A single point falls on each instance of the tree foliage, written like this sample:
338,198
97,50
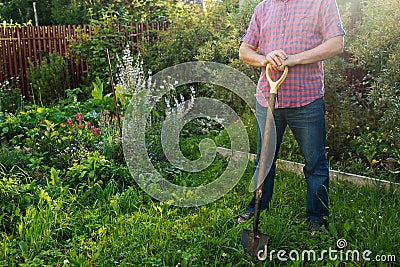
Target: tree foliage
69,12
21,11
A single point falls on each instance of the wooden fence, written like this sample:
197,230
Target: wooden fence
18,45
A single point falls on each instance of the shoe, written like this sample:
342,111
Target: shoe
242,218
317,227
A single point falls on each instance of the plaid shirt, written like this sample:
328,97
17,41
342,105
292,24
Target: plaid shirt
293,26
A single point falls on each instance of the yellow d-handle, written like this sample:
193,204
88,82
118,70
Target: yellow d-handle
275,85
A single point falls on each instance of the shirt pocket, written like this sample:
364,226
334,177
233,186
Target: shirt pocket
304,31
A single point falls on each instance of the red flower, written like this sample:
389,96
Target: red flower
89,125
96,131
69,121
80,125
79,116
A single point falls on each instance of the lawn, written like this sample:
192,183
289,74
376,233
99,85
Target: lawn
56,224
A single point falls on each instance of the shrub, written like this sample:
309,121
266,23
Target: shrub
92,48
202,35
93,169
49,78
375,44
343,99
10,97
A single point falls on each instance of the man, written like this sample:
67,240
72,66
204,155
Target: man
299,34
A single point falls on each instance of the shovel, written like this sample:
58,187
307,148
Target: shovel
253,241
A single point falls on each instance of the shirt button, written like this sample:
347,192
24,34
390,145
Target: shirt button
284,19
282,34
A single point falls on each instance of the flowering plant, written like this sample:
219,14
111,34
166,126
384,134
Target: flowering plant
80,123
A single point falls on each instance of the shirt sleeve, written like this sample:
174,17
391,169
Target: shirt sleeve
331,24
252,35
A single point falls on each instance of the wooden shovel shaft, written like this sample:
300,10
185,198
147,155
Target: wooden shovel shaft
267,130
265,140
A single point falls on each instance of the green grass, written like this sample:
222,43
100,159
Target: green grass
108,226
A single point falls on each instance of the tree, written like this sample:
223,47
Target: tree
21,11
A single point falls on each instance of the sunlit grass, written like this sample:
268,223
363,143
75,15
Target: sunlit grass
114,227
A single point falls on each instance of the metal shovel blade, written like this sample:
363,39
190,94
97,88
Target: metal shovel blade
254,243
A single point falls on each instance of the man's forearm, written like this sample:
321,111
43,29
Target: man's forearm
250,56
327,49
279,58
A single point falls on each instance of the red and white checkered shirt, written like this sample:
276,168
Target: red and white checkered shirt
293,26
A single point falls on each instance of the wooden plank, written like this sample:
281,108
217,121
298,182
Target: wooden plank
34,42
60,38
137,33
39,43
15,48
9,56
147,32
21,56
73,70
26,45
29,42
54,34
3,55
47,33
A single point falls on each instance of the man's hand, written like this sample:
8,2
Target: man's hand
250,55
277,59
290,61
329,48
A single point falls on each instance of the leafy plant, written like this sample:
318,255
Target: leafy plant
10,97
110,136
104,102
49,78
104,35
88,169
377,155
374,42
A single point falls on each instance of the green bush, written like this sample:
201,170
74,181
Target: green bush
111,30
93,169
376,48
343,100
92,48
49,79
10,97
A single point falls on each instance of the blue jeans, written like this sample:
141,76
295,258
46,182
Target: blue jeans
308,126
